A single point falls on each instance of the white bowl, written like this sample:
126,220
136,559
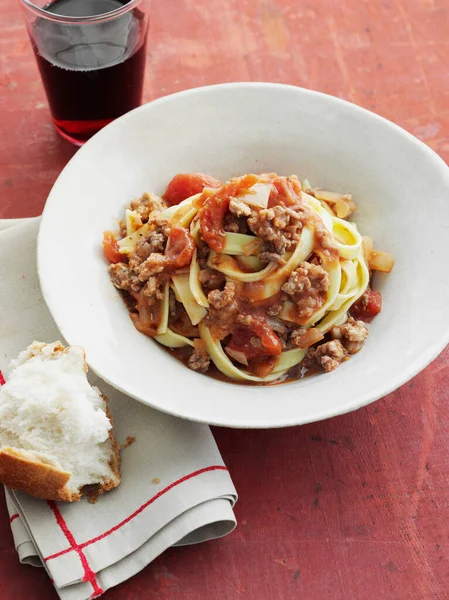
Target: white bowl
399,184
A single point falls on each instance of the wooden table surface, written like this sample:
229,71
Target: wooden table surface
356,507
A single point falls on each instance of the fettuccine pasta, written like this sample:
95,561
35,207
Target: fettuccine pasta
260,278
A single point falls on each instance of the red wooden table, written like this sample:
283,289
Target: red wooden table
356,507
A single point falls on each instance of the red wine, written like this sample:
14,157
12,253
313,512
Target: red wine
92,72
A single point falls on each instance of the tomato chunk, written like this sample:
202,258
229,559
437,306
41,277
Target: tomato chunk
180,247
270,341
270,344
110,248
367,306
214,207
286,190
184,185
211,222
262,366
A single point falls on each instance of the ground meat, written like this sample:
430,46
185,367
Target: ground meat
122,227
153,265
219,299
255,342
284,216
155,243
266,257
211,279
329,355
143,251
274,309
199,362
172,303
296,336
352,334
324,238
354,331
160,223
134,262
352,347
147,204
182,324
305,277
153,290
284,338
123,277
280,225
120,276
231,224
223,312
235,224
239,208
244,319
307,287
202,252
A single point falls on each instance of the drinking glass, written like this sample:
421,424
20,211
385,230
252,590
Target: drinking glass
91,57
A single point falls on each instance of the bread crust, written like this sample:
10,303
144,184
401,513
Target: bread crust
34,477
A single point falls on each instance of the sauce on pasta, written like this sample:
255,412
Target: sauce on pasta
256,280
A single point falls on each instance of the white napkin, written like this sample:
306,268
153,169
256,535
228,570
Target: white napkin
175,487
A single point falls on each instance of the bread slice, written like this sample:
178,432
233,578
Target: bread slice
56,433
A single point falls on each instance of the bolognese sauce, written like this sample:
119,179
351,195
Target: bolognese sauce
259,279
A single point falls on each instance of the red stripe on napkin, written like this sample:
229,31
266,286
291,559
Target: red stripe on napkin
2,379
14,517
138,511
89,575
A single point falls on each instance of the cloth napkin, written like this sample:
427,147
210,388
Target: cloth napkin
175,487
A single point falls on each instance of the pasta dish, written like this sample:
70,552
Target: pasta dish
259,279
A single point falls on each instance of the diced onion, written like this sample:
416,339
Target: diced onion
257,195
276,324
381,261
331,197
310,337
289,313
352,206
146,314
237,355
306,185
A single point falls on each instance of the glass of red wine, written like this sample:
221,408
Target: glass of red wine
91,57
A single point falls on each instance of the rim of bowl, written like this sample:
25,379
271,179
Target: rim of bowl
419,364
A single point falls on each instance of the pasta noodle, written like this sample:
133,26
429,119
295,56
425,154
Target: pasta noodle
269,276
